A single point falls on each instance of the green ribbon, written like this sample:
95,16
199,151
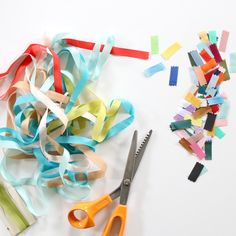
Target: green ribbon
11,211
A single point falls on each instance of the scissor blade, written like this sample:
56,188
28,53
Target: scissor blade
140,152
129,168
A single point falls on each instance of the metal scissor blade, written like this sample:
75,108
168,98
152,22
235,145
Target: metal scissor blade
129,170
140,152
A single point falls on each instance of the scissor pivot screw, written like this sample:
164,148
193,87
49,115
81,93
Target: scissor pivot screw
127,182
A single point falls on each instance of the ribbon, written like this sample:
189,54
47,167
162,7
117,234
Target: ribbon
54,118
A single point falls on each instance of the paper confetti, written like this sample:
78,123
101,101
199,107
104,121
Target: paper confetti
174,70
223,41
154,69
154,44
197,127
171,50
196,172
232,63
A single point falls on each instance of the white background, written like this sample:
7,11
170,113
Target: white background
162,201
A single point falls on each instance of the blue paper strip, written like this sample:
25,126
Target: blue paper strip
196,57
215,100
154,69
173,75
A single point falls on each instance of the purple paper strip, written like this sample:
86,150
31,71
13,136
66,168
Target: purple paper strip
190,108
178,117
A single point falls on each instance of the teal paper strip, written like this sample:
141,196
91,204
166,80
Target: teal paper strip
219,132
183,124
208,150
213,36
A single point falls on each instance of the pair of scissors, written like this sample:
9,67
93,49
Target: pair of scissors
90,209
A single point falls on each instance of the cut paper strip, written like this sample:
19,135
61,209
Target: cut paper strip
221,122
204,171
226,73
200,76
205,55
215,100
223,41
202,46
154,69
219,132
208,150
178,117
185,144
197,150
193,100
154,44
190,108
204,36
182,134
232,62
210,121
173,75
196,171
212,36
192,62
215,52
196,58
183,124
211,64
196,122
170,51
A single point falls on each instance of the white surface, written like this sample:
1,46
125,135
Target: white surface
162,201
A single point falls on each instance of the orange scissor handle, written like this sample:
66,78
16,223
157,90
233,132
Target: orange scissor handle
120,214
89,209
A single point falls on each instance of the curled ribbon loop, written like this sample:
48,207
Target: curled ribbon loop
49,118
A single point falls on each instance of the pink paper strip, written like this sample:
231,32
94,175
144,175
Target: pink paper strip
221,122
223,40
201,142
182,134
197,150
200,75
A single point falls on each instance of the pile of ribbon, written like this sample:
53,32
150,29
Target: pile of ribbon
204,109
54,117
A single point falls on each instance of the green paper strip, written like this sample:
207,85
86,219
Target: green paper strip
11,211
219,132
212,36
192,62
183,124
226,74
154,44
208,150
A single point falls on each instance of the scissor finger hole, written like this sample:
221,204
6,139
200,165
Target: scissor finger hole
115,228
80,215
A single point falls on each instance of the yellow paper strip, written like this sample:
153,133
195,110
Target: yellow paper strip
203,36
196,122
193,100
171,50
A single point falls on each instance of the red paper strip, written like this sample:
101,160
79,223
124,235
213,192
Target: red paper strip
115,50
215,52
205,56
